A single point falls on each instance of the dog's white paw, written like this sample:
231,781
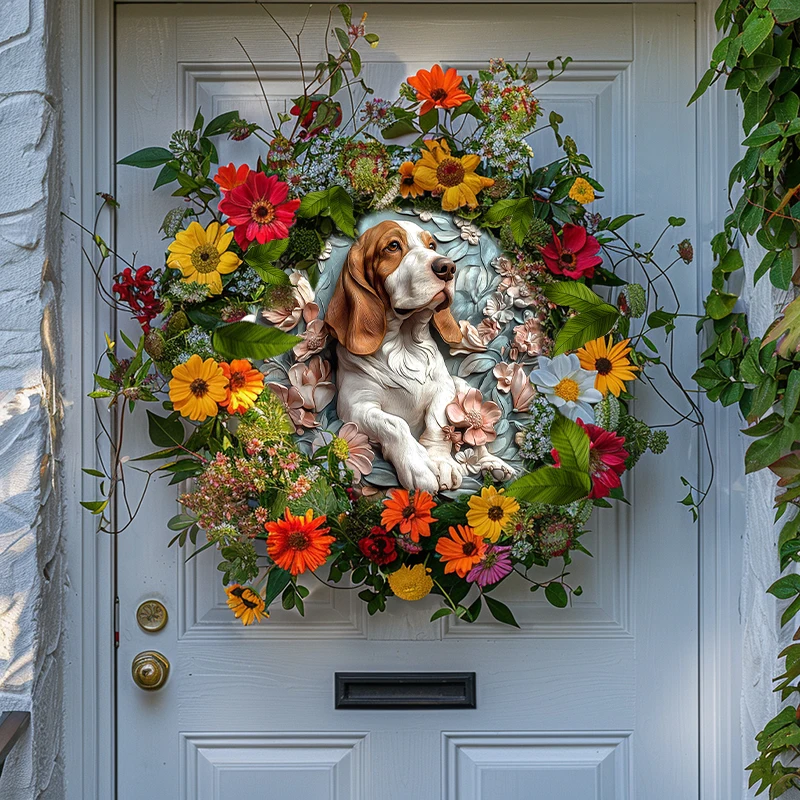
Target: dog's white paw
449,471
413,466
496,467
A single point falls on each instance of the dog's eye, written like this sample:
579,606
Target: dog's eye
432,246
393,246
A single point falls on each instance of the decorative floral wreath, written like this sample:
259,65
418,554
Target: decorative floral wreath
233,331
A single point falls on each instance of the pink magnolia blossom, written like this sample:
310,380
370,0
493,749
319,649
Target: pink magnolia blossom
522,390
312,382
476,417
471,340
288,318
315,336
295,406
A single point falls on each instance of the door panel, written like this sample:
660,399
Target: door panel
595,701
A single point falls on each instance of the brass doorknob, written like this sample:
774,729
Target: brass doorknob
150,670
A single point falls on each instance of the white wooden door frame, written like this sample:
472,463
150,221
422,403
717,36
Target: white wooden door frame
88,77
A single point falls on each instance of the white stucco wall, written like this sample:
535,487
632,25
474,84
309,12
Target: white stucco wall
31,553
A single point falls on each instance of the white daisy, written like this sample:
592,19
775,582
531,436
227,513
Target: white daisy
567,386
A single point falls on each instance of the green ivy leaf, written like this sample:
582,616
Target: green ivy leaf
249,340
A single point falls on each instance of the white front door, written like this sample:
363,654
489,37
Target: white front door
594,702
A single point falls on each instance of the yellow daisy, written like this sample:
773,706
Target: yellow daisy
197,387
582,191
246,604
611,363
491,512
411,583
452,177
202,255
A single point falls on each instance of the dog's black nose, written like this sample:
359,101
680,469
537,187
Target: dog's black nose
444,268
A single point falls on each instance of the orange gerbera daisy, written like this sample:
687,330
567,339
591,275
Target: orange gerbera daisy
413,515
245,384
297,544
230,177
408,181
611,362
438,89
461,551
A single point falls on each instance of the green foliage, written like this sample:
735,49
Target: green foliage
252,341
759,57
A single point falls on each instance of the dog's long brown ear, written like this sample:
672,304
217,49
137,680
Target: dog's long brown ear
447,326
356,313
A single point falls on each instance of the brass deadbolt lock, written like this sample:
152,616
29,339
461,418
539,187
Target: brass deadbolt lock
151,616
150,670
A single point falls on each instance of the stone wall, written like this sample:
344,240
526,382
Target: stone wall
31,553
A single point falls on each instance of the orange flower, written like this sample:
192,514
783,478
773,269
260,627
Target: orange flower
438,89
408,181
461,551
297,544
245,384
230,177
412,515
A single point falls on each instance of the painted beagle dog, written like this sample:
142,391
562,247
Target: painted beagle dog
392,379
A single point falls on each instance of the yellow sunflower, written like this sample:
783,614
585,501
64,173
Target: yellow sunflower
582,191
611,362
411,583
246,604
452,177
491,512
202,255
197,387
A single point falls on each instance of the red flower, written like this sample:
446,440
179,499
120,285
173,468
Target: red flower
137,292
230,177
307,121
574,255
606,459
259,210
379,547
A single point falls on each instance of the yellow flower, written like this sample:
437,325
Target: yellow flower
408,181
491,512
611,362
202,256
582,191
246,604
411,583
451,177
197,387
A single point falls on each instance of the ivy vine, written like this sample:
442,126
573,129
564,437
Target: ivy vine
759,58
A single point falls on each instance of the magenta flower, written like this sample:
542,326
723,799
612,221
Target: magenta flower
493,567
475,417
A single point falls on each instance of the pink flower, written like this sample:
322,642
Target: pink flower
522,390
493,567
488,329
287,318
315,336
471,340
607,457
311,381
359,450
452,435
518,291
295,406
475,417
258,209
529,337
574,255
504,373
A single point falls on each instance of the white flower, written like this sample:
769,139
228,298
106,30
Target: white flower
327,250
518,290
469,460
567,386
499,308
469,232
505,266
424,214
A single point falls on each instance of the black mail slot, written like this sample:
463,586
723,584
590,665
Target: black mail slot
401,690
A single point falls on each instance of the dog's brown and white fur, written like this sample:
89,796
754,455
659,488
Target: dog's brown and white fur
392,380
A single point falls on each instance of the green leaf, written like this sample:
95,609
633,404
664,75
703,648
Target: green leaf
572,295
265,255
165,431
618,222
277,581
249,340
500,611
785,331
500,211
274,276
341,210
521,219
400,128
221,124
757,27
785,10
147,158
167,175
785,587
585,327
95,506
554,485
572,443
95,473
705,82
556,595
313,204
660,318
780,273
720,304
763,135
441,612
428,121
346,12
